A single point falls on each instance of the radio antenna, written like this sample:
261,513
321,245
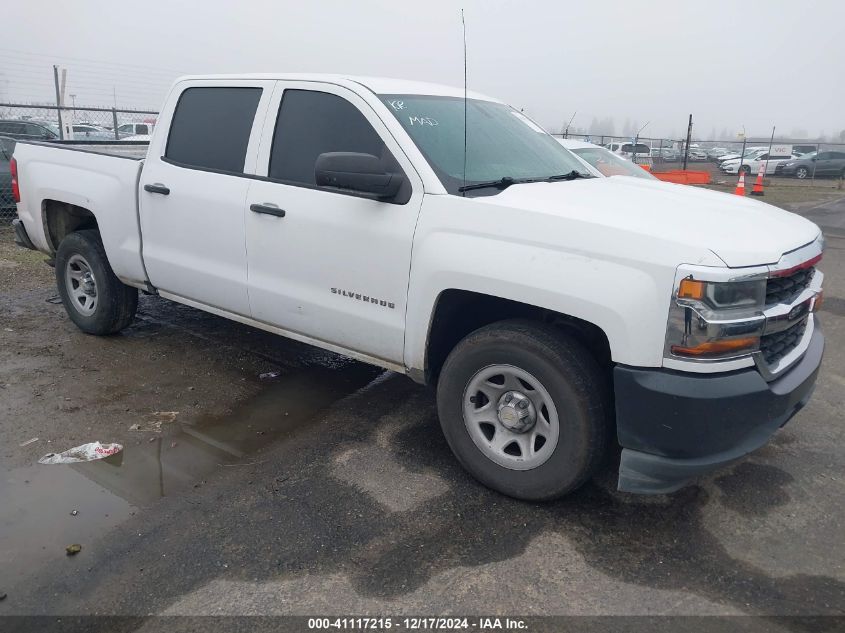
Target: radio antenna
464,27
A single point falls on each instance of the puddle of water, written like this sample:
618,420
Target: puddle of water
35,513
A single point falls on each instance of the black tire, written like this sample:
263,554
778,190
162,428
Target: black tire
801,173
570,375
115,301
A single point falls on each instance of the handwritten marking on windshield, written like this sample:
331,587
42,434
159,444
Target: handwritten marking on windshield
423,120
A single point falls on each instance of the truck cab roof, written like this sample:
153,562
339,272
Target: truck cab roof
377,85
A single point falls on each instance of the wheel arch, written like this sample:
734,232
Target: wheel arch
459,312
61,218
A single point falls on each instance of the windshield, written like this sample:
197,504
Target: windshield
609,164
500,142
808,155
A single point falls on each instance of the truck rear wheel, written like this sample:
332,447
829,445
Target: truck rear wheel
525,409
94,298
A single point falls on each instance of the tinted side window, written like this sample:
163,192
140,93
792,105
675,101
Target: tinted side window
211,127
142,129
837,155
824,156
312,123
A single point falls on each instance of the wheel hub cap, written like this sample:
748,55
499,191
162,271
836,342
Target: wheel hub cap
516,412
88,285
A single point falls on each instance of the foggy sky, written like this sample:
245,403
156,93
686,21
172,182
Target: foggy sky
730,64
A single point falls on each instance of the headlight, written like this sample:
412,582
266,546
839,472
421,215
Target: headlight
716,320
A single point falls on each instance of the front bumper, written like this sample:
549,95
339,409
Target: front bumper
675,426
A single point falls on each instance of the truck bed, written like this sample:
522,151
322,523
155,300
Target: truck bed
135,150
99,178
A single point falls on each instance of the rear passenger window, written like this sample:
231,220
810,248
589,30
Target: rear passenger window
312,123
211,127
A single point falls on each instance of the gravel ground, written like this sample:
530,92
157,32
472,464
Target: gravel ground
328,488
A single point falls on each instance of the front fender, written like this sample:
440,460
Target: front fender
618,282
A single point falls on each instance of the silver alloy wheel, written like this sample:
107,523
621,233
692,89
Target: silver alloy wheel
81,285
801,172
511,417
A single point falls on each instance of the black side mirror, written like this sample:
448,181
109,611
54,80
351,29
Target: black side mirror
361,173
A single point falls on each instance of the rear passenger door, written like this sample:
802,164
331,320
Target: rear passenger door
193,188
335,267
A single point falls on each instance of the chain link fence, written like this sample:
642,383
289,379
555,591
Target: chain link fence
670,152
67,125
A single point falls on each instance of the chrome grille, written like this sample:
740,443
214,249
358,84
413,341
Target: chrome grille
777,345
782,289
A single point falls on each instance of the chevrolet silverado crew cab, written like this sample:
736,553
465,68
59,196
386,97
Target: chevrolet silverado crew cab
557,313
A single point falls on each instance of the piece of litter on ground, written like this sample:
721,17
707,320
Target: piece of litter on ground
135,427
8,329
28,442
73,513
270,374
73,549
85,453
54,300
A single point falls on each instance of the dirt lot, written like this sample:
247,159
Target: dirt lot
329,489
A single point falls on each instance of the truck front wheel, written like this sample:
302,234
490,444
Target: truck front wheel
525,409
94,298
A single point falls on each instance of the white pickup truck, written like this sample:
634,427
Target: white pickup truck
558,313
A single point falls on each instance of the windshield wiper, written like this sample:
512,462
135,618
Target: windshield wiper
507,181
574,174
502,183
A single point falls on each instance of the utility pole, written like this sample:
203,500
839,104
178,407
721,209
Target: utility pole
58,102
566,131
637,140
742,153
686,145
771,141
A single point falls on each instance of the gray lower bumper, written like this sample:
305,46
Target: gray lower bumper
674,427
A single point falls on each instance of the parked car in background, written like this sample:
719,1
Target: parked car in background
27,130
751,164
663,154
134,129
714,152
7,200
90,132
697,155
641,153
138,137
669,154
825,163
749,152
603,161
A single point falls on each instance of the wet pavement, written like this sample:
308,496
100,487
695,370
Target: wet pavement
329,489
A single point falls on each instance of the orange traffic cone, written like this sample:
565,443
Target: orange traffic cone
757,190
740,185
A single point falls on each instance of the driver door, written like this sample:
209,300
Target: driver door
333,267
